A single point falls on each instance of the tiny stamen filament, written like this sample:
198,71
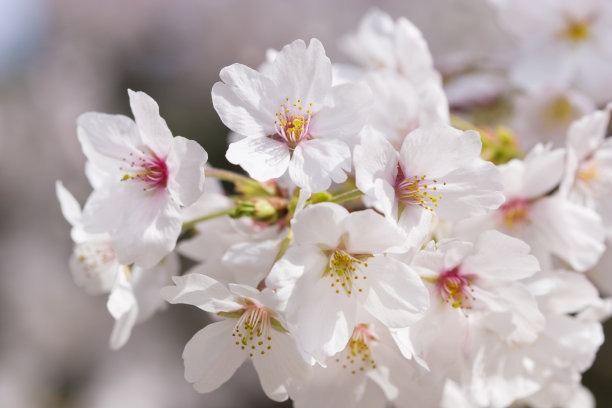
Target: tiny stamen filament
455,288
418,190
252,330
343,270
357,355
292,122
148,168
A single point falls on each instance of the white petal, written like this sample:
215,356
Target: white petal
71,210
319,224
470,191
211,357
107,139
245,101
317,162
543,171
325,320
438,149
152,127
500,256
374,158
587,133
281,368
262,157
397,295
186,163
201,291
123,307
149,230
345,114
302,72
572,232
370,233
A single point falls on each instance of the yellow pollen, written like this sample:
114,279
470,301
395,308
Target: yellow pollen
588,172
577,31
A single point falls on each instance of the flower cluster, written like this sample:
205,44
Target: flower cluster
381,250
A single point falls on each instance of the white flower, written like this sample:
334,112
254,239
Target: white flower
252,328
550,224
544,115
562,43
365,362
337,266
588,174
437,170
401,106
293,118
483,280
381,43
134,291
144,177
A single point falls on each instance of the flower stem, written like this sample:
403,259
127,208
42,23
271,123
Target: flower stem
192,223
347,196
237,179
461,124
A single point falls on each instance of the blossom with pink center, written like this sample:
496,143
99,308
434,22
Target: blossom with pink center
550,223
437,170
292,118
142,178
367,372
133,292
252,328
338,263
455,287
588,175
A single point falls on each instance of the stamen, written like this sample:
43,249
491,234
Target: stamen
292,123
343,269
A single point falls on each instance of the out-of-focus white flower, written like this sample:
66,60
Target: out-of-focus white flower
293,118
366,360
253,328
381,43
338,263
550,224
562,43
134,291
588,173
437,170
145,177
544,115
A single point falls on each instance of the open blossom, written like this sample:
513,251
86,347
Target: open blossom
133,291
293,118
562,43
588,174
365,373
437,170
144,176
381,43
550,223
339,263
252,328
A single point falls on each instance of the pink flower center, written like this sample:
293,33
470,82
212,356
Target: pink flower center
455,288
292,123
515,211
149,169
421,191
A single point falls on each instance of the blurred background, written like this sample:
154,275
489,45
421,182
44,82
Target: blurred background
61,58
